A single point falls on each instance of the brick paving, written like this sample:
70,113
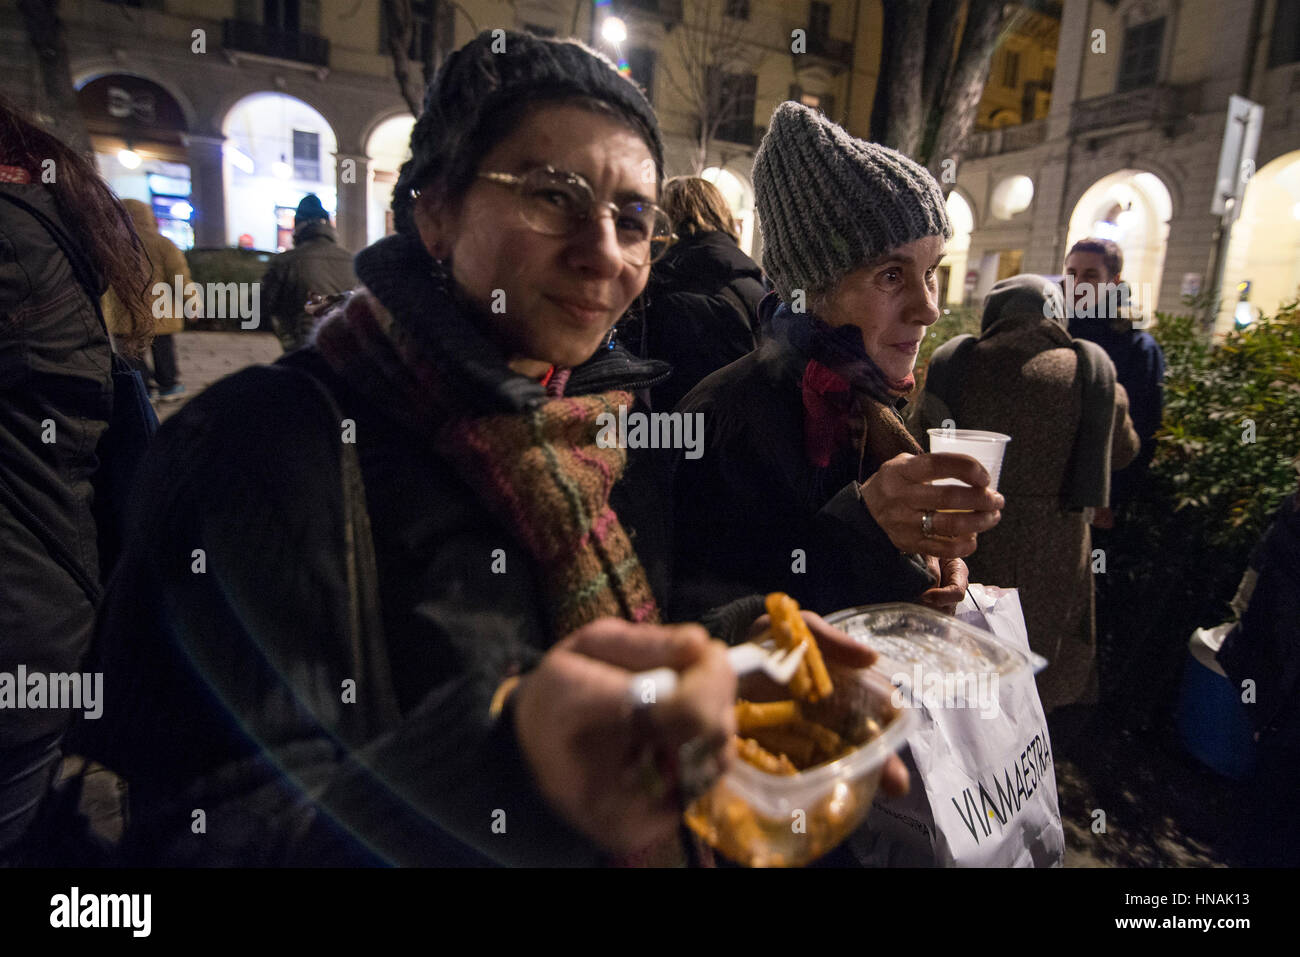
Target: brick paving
205,357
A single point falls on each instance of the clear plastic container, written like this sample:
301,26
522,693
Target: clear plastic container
907,635
769,820
750,815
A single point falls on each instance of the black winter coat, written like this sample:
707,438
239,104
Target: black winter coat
700,311
56,398
751,514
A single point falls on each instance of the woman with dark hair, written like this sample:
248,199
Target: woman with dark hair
395,620
63,239
702,299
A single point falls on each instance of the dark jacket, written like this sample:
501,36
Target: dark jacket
700,311
56,398
236,671
751,514
316,265
1264,646
1140,369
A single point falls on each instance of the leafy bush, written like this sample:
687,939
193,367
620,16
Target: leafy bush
1223,462
223,266
953,322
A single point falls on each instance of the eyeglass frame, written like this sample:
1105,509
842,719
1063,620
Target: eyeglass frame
515,181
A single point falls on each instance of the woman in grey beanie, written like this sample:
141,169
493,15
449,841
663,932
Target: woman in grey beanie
809,481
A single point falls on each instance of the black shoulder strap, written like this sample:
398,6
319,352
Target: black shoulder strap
365,625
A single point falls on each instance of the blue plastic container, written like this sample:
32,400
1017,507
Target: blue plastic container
1212,720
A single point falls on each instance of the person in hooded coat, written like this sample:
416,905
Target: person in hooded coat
1069,425
168,268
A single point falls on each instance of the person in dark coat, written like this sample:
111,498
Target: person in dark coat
701,304
56,399
1069,425
316,266
808,481
396,621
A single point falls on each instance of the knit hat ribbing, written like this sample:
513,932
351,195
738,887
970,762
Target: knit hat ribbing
499,71
829,203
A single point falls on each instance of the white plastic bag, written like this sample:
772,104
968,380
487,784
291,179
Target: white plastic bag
983,783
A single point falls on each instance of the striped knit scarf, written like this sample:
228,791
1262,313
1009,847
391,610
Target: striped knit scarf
537,470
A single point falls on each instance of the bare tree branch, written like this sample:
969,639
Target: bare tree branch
985,21
906,116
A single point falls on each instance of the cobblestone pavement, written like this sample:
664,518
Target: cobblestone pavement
205,357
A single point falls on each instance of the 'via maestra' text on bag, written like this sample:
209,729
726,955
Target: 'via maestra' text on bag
983,782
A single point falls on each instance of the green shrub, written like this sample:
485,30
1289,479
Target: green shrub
953,322
224,266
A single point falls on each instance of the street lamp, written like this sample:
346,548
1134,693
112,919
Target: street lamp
613,30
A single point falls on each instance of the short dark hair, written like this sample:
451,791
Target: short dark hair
1111,255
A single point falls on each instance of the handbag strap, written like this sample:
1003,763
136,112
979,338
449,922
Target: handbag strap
365,623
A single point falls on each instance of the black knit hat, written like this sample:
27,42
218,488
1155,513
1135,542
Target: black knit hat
493,78
310,208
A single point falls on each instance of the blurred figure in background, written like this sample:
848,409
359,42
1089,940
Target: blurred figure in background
1092,268
316,266
1069,425
702,298
170,269
61,243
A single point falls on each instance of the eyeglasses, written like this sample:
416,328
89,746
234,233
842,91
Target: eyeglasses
556,203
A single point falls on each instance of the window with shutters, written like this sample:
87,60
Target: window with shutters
282,15
1139,63
1285,45
306,155
732,105
641,64
819,20
1010,69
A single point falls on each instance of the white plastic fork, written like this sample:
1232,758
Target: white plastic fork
647,687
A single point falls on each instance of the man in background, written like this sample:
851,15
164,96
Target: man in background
316,266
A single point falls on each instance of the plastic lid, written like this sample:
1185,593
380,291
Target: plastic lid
907,635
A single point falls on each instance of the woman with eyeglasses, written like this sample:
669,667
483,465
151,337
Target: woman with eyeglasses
403,589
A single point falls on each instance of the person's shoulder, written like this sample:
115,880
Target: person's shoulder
756,376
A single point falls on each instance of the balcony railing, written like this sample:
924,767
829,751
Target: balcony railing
283,45
1151,106
838,52
669,11
1008,139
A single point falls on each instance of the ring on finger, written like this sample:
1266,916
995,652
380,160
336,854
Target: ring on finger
927,524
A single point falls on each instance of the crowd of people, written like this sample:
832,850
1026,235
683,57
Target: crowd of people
380,601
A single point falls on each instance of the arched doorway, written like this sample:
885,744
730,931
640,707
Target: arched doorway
1264,249
740,197
137,129
388,147
277,150
1132,208
952,267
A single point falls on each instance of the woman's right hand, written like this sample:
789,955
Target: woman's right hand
592,751
899,494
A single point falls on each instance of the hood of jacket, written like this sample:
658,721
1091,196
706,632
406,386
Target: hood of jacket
142,216
314,229
703,262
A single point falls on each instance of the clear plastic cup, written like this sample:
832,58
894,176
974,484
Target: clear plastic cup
987,448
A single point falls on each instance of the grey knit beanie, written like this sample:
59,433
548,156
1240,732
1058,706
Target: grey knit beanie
829,203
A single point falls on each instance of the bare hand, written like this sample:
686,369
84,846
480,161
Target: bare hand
953,578
593,754
838,647
899,494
